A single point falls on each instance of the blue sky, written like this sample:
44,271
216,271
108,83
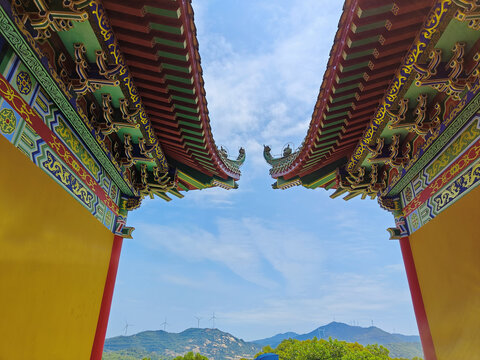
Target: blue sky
265,261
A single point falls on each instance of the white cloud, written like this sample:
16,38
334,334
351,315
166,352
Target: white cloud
343,297
266,95
249,247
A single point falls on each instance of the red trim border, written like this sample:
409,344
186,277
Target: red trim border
417,299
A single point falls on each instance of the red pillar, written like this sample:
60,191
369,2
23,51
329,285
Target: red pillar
418,305
101,331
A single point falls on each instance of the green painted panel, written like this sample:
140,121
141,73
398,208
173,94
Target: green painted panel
83,33
197,125
187,177
338,107
375,11
175,193
185,108
358,65
365,41
167,29
173,56
193,132
162,12
322,181
330,130
316,153
184,99
175,44
115,91
317,156
193,139
183,90
196,145
356,55
344,97
179,79
183,69
183,187
350,78
325,144
367,27
331,185
329,136
345,88
163,196
135,133
336,122
414,91
207,164
456,31
201,155
190,117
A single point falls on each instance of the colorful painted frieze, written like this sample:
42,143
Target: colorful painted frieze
63,156
448,177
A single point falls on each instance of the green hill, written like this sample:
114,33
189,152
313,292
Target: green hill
406,346
218,345
213,343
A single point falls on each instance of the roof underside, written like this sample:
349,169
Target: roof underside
372,39
158,39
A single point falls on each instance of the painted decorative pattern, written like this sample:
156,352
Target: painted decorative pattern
98,16
74,144
8,121
64,176
34,121
454,172
24,83
25,46
454,169
436,140
430,27
453,150
458,187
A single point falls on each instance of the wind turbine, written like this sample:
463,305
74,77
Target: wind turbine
164,324
198,321
213,320
126,327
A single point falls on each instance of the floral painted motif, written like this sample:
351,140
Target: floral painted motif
24,83
8,121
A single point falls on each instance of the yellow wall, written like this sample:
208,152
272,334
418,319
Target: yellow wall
446,252
54,259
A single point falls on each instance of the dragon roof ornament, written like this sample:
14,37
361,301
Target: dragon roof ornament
280,163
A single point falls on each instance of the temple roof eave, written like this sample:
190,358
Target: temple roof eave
371,35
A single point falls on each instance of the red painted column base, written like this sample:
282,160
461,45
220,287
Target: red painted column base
418,305
101,331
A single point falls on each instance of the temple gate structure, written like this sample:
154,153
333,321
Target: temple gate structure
101,104
398,119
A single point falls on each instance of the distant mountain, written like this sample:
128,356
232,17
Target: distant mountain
399,345
218,345
213,343
276,339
